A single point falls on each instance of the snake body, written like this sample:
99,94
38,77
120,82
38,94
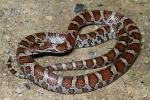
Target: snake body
118,60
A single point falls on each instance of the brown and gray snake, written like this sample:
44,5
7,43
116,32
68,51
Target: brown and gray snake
112,64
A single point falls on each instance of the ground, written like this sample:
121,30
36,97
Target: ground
19,18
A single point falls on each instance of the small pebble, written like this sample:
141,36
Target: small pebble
100,4
142,33
147,60
4,74
89,3
79,8
19,90
41,93
3,82
92,53
145,95
143,41
49,18
130,94
28,85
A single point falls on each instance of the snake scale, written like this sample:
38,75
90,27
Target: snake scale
112,65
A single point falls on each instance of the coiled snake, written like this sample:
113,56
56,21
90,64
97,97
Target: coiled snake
118,60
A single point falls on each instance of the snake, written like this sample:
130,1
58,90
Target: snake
111,66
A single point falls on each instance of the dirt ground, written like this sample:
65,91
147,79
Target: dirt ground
19,18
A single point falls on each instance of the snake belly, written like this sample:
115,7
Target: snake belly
118,60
